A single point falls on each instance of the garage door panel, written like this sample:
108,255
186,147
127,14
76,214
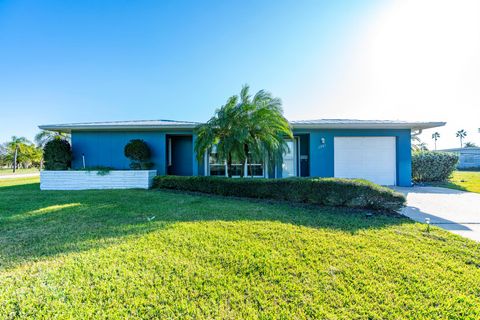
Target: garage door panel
371,158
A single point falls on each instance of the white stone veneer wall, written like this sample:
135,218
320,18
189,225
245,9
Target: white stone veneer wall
83,180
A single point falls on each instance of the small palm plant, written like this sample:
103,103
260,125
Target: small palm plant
435,137
244,127
461,134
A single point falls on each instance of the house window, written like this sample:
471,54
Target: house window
216,167
219,168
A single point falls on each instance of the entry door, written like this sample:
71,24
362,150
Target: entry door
370,158
289,164
180,155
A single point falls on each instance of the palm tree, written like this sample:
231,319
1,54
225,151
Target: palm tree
435,137
470,145
417,144
245,127
461,134
15,146
44,136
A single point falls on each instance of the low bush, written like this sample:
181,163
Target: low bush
322,191
101,170
139,153
430,166
57,155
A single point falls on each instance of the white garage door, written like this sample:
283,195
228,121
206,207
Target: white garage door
371,158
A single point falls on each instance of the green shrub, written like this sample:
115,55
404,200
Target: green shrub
433,166
322,191
57,155
101,170
139,153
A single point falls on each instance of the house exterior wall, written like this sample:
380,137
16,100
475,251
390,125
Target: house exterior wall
321,155
469,158
105,148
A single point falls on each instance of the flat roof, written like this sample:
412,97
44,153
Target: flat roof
363,124
296,124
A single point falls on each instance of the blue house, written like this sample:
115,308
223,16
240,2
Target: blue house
378,151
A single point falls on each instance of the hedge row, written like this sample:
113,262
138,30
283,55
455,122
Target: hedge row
321,191
433,166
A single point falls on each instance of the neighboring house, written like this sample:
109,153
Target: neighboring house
469,158
374,150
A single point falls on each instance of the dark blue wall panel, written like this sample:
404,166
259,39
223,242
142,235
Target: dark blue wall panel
105,148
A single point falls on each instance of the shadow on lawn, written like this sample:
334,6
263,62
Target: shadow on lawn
36,224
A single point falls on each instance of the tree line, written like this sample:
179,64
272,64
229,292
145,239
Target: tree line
19,152
418,145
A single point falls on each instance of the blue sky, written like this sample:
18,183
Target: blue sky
74,61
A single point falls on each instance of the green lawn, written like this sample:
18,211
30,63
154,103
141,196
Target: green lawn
9,171
95,254
463,180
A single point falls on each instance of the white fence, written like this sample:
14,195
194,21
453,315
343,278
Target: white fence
83,180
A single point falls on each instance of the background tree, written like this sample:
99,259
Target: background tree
3,155
44,136
470,145
435,137
245,127
461,134
21,152
418,144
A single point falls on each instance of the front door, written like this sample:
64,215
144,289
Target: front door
289,164
179,155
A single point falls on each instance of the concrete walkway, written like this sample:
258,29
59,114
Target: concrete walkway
20,175
453,210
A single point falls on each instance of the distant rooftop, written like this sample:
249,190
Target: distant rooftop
463,150
296,124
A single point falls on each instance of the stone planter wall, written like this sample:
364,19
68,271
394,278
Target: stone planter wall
84,180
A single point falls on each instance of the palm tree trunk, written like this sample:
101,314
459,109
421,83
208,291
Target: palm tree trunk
245,167
15,159
229,165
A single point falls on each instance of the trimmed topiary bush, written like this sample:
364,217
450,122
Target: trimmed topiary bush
352,193
433,166
139,153
57,155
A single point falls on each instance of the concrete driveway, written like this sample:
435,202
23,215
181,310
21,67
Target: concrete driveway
453,210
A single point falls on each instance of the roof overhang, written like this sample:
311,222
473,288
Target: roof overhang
314,124
68,128
369,125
